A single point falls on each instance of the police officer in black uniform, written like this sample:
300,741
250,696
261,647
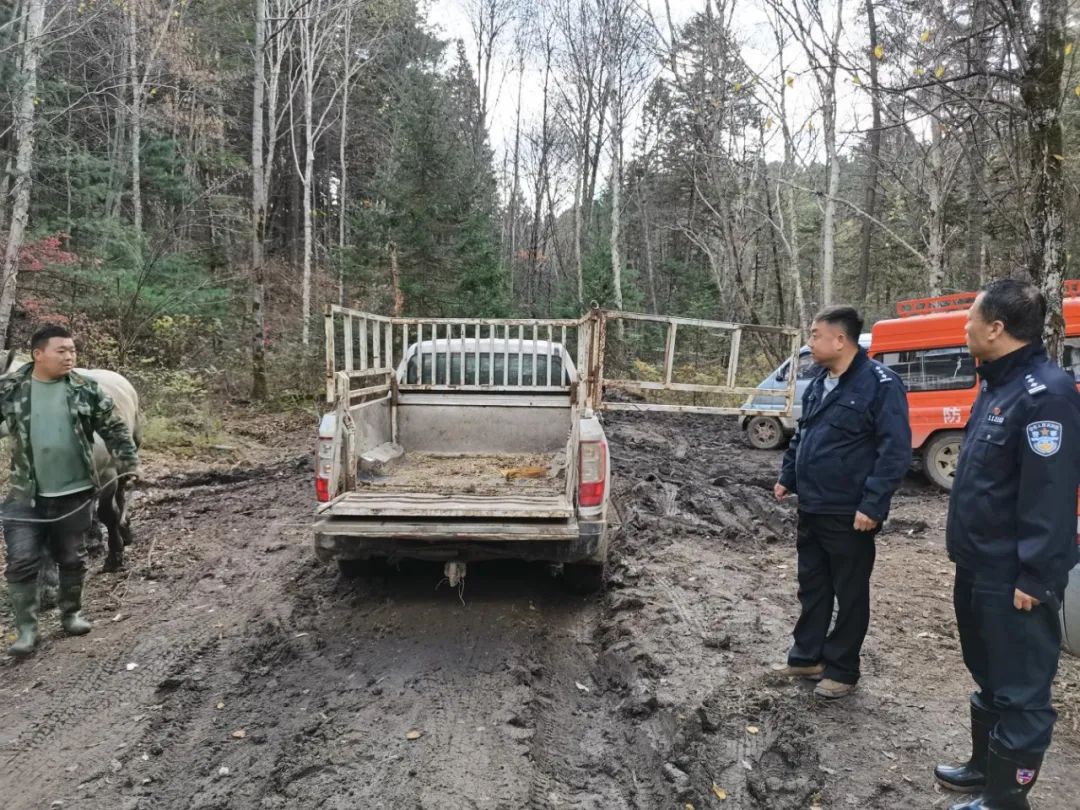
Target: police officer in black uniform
1012,534
849,455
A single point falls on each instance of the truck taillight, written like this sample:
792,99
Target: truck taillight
592,473
324,465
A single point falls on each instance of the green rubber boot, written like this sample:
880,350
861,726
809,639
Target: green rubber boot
70,603
24,604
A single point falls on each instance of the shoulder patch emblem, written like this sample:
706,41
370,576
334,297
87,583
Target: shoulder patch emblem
1033,385
882,374
1044,437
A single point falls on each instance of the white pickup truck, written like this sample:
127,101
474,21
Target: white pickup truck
463,440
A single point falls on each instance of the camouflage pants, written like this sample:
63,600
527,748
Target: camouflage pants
64,539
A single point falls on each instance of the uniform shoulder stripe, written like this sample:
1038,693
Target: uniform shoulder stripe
882,375
1033,384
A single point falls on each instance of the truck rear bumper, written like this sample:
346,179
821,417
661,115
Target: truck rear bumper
568,541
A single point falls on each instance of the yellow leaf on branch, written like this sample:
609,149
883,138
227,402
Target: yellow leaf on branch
879,51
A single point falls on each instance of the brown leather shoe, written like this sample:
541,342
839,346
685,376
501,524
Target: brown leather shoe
833,690
813,672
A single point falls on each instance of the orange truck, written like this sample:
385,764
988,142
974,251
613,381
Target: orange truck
925,345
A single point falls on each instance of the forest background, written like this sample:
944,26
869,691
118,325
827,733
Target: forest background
188,182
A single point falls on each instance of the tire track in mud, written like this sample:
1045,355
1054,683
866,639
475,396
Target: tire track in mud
688,611
579,760
325,677
94,718
83,727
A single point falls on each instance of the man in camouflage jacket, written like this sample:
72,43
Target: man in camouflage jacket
52,413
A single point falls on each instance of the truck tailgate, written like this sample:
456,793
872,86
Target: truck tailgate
443,531
426,505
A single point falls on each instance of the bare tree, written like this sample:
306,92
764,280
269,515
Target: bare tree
490,20
584,84
144,20
33,30
1017,102
820,40
629,68
870,192
543,145
319,79
1038,33
786,194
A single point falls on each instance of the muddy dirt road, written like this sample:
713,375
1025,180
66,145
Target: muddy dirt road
229,669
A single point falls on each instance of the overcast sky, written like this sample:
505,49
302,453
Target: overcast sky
759,53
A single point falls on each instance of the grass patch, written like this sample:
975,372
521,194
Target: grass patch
184,436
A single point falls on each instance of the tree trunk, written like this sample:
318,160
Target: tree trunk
24,159
775,253
975,209
787,200
616,204
309,233
1040,89
870,193
136,126
646,238
395,279
936,216
515,184
578,215
259,383
7,142
343,166
828,226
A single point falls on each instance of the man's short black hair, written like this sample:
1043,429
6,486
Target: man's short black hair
42,336
1020,305
847,318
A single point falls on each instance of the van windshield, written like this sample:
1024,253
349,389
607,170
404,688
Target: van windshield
807,368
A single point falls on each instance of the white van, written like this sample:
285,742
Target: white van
770,432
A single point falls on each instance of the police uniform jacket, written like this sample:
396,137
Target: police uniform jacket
853,445
1012,514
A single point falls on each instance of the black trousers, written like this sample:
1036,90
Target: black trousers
1013,657
65,538
835,563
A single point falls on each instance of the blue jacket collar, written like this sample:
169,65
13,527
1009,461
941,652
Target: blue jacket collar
1000,371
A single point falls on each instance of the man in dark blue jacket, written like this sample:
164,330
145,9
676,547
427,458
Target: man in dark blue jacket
1012,534
848,456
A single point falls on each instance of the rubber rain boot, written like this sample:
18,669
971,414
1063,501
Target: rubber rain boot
70,604
971,776
24,604
1010,776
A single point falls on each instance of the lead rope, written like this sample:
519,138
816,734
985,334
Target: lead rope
77,509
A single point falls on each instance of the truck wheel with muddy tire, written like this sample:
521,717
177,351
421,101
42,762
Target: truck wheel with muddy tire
766,432
939,457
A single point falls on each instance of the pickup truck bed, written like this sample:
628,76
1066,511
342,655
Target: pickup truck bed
469,474
455,486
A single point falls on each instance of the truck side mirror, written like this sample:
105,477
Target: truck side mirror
781,373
